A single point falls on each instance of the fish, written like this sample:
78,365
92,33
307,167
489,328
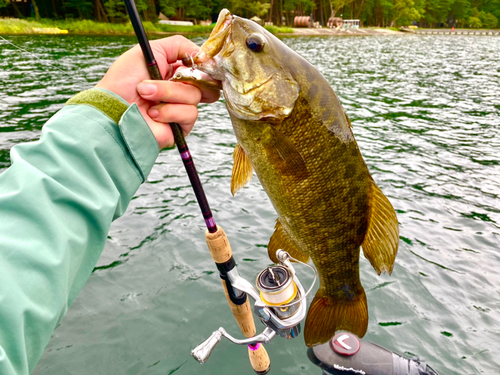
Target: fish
294,133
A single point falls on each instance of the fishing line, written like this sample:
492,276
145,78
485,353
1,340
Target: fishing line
190,57
308,291
42,61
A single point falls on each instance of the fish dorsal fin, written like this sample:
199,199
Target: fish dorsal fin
280,240
242,169
382,236
286,156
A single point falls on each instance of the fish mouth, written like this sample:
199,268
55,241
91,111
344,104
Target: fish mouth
217,37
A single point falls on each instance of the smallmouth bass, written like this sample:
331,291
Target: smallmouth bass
293,131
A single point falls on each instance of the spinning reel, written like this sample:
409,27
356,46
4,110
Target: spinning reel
279,301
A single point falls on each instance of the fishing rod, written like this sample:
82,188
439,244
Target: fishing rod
154,72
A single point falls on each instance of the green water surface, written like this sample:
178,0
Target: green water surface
425,113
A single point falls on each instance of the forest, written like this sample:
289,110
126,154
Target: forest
379,13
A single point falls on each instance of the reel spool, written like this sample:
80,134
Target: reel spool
281,294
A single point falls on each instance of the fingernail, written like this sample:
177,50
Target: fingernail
153,113
146,88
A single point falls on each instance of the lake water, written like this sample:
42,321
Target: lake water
425,113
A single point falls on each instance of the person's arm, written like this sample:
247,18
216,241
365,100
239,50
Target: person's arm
57,201
60,195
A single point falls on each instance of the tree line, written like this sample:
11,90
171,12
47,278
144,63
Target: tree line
382,13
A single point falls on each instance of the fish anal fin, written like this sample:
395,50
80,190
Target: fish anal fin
285,155
280,240
380,244
242,169
327,315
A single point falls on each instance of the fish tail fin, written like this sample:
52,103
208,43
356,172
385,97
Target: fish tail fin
326,316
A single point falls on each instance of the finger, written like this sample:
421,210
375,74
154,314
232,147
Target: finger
169,92
174,48
183,114
163,134
178,113
209,96
161,131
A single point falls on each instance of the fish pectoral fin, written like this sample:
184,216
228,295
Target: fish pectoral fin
280,240
380,244
327,315
242,169
286,156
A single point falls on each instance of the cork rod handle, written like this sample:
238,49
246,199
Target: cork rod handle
221,253
219,246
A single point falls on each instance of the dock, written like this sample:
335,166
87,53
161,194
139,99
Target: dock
387,31
457,32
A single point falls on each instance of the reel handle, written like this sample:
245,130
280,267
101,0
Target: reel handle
203,351
221,253
259,359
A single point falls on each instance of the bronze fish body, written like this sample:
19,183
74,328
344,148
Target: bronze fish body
292,130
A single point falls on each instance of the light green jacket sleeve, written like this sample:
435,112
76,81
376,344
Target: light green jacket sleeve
57,202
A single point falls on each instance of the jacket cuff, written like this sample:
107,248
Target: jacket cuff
104,101
139,139
136,134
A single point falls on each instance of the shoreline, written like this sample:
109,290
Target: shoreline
301,33
13,26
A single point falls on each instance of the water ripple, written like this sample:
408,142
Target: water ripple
425,113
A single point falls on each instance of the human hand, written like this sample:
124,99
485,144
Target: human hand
160,102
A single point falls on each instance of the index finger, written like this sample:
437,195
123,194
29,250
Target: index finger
174,48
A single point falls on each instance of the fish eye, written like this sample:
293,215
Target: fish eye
255,42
